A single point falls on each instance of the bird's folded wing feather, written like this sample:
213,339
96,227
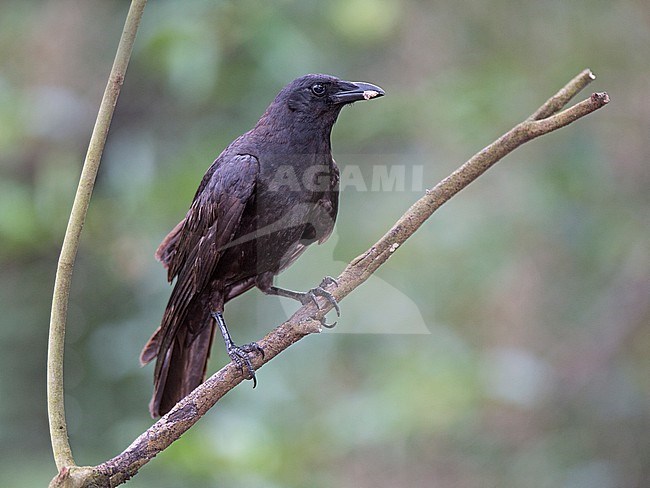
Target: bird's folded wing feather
192,250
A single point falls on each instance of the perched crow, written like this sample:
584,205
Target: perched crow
269,194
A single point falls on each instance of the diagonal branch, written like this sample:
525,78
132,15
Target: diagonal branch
307,319
55,405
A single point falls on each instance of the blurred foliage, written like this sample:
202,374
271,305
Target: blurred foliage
532,286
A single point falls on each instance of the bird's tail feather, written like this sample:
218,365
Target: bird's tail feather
183,365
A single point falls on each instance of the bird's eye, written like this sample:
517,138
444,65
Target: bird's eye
318,89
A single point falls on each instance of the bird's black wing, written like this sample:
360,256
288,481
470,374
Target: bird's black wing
192,250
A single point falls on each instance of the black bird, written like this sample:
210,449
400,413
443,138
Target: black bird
269,194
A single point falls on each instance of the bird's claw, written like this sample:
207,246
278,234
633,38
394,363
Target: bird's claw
240,356
320,291
324,323
310,296
328,280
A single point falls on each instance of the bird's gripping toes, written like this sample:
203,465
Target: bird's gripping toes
309,296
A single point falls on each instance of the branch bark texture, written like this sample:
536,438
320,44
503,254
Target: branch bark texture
56,412
306,320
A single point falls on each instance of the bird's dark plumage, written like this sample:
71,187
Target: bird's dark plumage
269,194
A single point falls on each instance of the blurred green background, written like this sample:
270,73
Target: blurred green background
505,345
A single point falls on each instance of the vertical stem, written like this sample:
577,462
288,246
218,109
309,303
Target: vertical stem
55,395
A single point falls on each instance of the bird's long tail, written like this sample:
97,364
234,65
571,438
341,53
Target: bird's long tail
181,367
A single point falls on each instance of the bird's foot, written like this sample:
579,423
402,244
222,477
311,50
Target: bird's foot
240,355
320,291
310,296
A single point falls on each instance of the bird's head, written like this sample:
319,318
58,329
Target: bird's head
321,97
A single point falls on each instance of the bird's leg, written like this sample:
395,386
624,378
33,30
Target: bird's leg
310,296
238,354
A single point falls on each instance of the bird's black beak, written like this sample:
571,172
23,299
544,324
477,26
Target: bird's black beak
352,91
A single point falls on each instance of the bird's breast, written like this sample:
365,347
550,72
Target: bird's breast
292,207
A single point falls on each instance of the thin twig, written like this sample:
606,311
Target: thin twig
561,98
56,413
306,320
